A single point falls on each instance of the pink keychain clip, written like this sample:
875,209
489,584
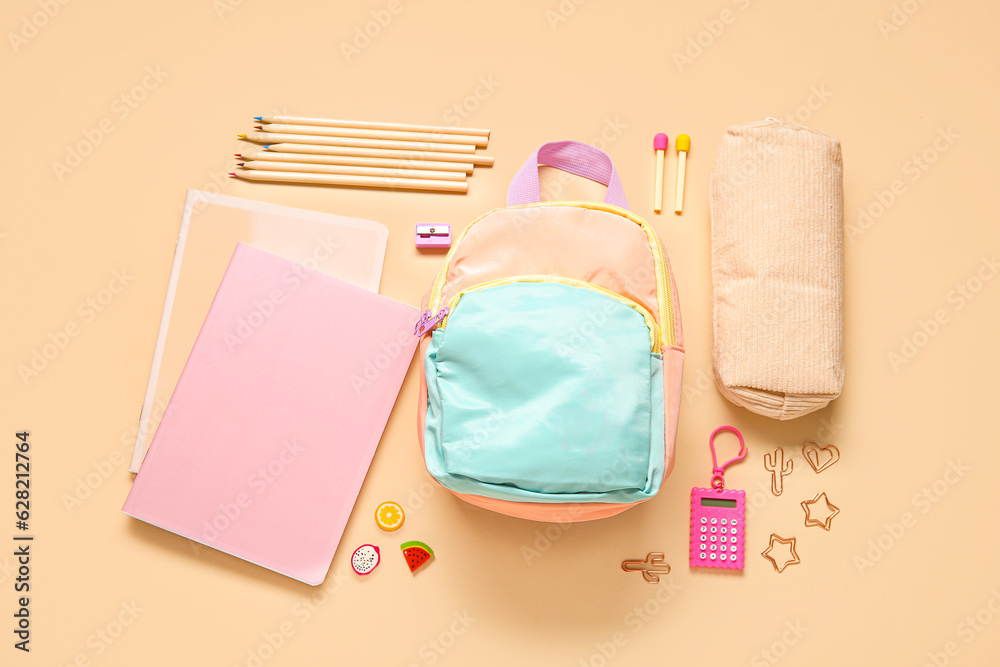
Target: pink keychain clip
718,481
718,516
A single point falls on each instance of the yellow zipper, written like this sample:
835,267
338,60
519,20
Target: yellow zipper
655,338
664,294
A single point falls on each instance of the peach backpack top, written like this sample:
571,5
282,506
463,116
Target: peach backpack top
551,353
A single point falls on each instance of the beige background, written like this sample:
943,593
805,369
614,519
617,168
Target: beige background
107,590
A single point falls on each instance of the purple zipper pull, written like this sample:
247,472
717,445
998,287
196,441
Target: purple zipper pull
428,321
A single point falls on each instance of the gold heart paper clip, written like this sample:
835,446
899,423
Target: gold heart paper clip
811,452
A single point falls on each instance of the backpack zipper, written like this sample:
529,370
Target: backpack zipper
664,294
655,337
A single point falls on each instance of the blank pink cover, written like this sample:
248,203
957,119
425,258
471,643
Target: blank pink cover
273,424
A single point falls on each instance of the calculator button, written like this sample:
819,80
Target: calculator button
723,538
703,538
732,548
703,529
704,520
732,530
732,557
714,538
715,521
703,556
713,547
702,547
723,522
714,529
712,556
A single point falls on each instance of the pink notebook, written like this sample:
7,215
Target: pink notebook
274,421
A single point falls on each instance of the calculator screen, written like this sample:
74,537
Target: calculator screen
717,502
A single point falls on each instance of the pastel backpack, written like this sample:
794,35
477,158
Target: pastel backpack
551,353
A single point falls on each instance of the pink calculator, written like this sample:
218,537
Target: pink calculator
718,528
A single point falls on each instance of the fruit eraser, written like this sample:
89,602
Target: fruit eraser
683,143
389,515
660,141
416,554
365,558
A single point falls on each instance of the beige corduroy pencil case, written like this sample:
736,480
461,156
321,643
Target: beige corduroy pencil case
778,268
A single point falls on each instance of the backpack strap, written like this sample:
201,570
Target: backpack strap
572,156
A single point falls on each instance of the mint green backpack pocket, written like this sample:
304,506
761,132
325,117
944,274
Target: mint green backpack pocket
560,401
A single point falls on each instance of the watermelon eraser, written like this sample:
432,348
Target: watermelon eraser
365,558
416,554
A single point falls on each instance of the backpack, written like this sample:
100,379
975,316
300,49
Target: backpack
551,353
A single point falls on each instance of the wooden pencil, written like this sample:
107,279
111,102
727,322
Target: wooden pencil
425,146
391,163
386,135
370,125
298,167
291,147
351,180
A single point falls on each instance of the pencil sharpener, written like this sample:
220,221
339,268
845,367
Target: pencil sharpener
433,236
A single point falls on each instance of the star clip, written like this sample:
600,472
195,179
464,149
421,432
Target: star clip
810,508
792,557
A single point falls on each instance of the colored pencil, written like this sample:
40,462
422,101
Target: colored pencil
276,137
386,135
291,147
258,154
350,180
297,167
369,125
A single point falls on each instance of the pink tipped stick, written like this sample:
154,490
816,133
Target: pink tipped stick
660,142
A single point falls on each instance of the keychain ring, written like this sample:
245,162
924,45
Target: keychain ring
718,481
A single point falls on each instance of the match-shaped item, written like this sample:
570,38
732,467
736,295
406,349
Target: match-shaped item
660,142
683,146
778,268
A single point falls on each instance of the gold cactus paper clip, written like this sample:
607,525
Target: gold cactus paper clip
651,567
779,467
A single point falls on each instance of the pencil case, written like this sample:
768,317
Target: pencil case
778,268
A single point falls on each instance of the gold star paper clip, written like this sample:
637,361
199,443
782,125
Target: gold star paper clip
831,511
792,557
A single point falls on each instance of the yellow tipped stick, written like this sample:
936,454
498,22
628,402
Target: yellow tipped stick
683,144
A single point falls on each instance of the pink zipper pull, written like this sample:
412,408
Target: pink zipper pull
428,321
